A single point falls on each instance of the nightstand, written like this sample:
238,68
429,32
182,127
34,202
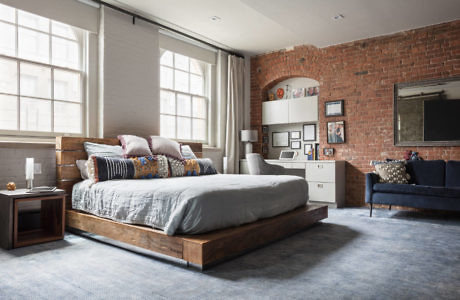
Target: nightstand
31,218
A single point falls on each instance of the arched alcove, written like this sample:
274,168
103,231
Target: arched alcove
290,84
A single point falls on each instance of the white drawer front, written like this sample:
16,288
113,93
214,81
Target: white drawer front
321,191
320,172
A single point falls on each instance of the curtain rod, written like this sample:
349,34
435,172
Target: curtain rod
136,16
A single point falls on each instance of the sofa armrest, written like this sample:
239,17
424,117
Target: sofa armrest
371,179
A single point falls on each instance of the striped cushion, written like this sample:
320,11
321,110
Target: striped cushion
108,168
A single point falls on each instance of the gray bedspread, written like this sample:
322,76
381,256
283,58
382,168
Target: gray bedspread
191,205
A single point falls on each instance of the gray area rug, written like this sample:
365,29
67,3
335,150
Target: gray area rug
394,255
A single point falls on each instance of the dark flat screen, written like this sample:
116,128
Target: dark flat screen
441,120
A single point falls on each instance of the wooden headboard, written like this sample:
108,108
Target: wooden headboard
70,149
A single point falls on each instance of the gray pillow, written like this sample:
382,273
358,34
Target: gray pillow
103,150
164,146
81,164
187,152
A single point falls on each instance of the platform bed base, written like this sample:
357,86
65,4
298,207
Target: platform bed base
202,250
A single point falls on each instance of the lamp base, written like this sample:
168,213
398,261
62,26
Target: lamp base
30,184
248,148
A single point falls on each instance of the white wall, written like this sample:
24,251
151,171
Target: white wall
129,75
70,12
13,160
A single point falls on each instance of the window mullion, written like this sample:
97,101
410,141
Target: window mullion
176,118
52,99
18,66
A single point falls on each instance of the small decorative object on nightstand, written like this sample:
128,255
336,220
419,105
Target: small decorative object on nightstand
10,186
30,218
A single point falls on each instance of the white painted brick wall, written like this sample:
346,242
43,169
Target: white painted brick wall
12,166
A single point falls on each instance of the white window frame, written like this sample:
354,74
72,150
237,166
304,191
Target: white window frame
205,96
81,37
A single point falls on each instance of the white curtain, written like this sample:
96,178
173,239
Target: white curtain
234,120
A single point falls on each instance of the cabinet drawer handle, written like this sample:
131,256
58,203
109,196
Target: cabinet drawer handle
320,185
319,166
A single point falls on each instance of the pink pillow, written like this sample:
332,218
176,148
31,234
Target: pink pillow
134,146
164,146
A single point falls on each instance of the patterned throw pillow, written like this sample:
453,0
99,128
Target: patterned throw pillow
108,168
191,167
150,167
392,172
176,167
206,166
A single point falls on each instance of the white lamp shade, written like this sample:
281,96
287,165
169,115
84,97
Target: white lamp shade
29,168
249,135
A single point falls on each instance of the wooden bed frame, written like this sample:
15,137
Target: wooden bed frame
198,250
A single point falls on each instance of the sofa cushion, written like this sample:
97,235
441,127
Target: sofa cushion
421,190
392,172
453,173
427,172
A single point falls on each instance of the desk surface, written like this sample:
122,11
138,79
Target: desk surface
295,161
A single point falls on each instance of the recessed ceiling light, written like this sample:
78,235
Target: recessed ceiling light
338,17
215,18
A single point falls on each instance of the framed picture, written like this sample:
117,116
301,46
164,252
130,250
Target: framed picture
334,108
265,139
280,139
309,132
264,129
295,135
336,132
328,151
265,150
296,144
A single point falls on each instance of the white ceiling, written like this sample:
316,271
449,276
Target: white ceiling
260,26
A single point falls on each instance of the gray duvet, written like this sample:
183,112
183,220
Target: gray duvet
191,205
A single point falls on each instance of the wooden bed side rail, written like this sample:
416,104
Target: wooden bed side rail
206,249
71,149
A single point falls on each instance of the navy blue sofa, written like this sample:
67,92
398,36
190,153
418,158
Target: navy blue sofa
434,184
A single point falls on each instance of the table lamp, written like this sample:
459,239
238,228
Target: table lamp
30,172
248,137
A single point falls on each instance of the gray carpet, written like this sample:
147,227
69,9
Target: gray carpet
395,255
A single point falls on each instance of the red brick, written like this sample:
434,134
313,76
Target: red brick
425,53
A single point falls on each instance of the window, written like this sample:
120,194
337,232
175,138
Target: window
184,100
40,75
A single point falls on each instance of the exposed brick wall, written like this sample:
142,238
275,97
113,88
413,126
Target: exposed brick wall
363,73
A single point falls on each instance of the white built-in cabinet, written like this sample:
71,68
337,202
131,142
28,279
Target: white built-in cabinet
287,111
325,178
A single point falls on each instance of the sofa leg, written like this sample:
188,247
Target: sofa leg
370,214
389,208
